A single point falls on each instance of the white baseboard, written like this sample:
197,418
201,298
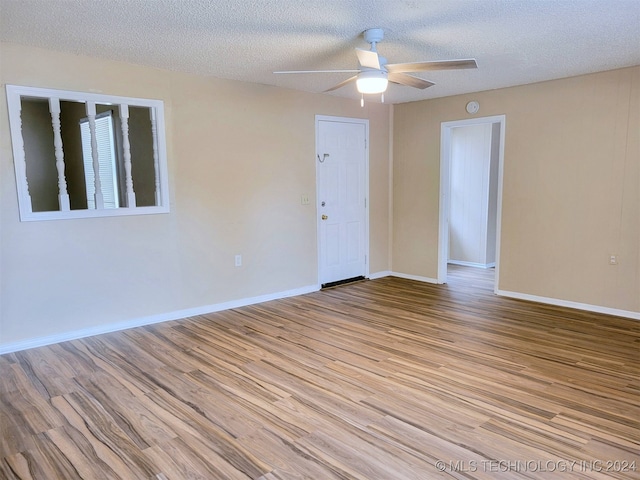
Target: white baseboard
139,322
414,277
374,276
569,304
472,264
524,296
176,315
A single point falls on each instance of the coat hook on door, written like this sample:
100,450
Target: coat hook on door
324,157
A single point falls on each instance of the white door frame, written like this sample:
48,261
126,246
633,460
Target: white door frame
445,190
361,121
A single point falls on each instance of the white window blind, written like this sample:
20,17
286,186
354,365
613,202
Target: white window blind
106,160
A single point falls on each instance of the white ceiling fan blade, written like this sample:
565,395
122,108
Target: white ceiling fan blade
428,66
318,71
341,84
409,80
367,58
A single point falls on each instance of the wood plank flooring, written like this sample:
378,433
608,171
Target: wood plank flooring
382,379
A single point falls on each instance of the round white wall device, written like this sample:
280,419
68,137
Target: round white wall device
473,107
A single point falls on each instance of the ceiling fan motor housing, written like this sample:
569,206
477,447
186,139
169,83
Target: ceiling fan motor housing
373,36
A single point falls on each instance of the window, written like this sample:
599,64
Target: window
106,160
87,155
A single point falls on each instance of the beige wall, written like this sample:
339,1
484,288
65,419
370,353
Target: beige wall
240,156
571,187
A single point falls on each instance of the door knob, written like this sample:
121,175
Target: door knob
324,217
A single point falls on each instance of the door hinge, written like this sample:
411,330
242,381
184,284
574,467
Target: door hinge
365,202
365,259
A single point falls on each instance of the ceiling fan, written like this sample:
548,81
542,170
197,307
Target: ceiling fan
375,73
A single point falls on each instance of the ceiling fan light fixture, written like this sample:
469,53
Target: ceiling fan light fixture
372,81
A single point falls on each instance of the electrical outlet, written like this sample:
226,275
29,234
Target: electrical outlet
613,259
238,260
304,199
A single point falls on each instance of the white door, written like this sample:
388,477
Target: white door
342,198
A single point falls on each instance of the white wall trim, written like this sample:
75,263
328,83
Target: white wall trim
390,186
414,277
139,322
180,314
524,296
472,264
570,304
375,276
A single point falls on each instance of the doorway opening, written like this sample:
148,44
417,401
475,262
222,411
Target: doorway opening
467,278
471,165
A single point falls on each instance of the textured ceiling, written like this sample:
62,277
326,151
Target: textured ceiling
514,41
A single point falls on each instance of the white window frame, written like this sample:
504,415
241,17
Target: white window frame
14,95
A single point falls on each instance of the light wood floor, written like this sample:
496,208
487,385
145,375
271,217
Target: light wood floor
382,379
